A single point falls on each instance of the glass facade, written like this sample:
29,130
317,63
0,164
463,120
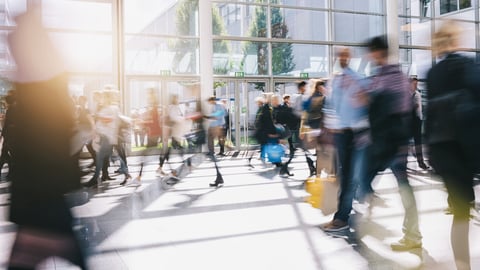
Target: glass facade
418,20
117,42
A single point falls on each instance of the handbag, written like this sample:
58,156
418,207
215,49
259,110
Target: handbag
323,192
274,152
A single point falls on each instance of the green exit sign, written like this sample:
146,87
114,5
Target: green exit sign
240,74
304,75
165,72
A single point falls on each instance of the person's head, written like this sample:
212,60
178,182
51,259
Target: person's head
286,99
260,101
343,54
174,99
212,100
275,100
110,96
378,50
267,97
447,38
320,87
302,86
224,102
413,83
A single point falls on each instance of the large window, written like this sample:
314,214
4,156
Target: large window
417,23
299,24
356,28
376,6
161,37
447,6
414,31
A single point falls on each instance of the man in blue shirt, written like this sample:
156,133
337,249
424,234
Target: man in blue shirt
215,125
351,139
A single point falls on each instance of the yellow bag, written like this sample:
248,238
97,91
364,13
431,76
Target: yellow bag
324,193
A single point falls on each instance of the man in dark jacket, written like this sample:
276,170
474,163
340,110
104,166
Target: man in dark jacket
264,127
283,114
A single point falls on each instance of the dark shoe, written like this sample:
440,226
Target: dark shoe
127,178
83,173
284,171
405,244
91,183
216,184
335,225
423,166
221,154
107,178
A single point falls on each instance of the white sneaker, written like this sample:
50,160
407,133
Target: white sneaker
364,209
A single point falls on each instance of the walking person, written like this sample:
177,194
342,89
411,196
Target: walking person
44,169
265,131
216,119
152,122
417,123
86,125
179,125
390,107
449,148
107,128
298,101
350,139
283,114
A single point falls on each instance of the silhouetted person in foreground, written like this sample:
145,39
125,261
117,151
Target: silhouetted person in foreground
44,169
449,150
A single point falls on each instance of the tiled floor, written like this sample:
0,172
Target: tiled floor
258,220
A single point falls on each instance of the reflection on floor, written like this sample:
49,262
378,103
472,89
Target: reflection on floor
258,220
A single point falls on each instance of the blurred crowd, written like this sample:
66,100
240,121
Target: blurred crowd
364,125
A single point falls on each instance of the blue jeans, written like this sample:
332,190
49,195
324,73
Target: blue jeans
398,165
103,157
352,170
410,219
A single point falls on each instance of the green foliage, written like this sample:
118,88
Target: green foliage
217,84
220,46
186,26
185,15
185,21
282,55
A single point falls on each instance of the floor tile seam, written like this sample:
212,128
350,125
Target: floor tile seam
197,240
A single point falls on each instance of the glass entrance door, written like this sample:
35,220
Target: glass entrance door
240,95
283,87
143,92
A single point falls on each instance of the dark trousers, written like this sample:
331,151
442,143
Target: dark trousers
417,138
344,144
450,163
